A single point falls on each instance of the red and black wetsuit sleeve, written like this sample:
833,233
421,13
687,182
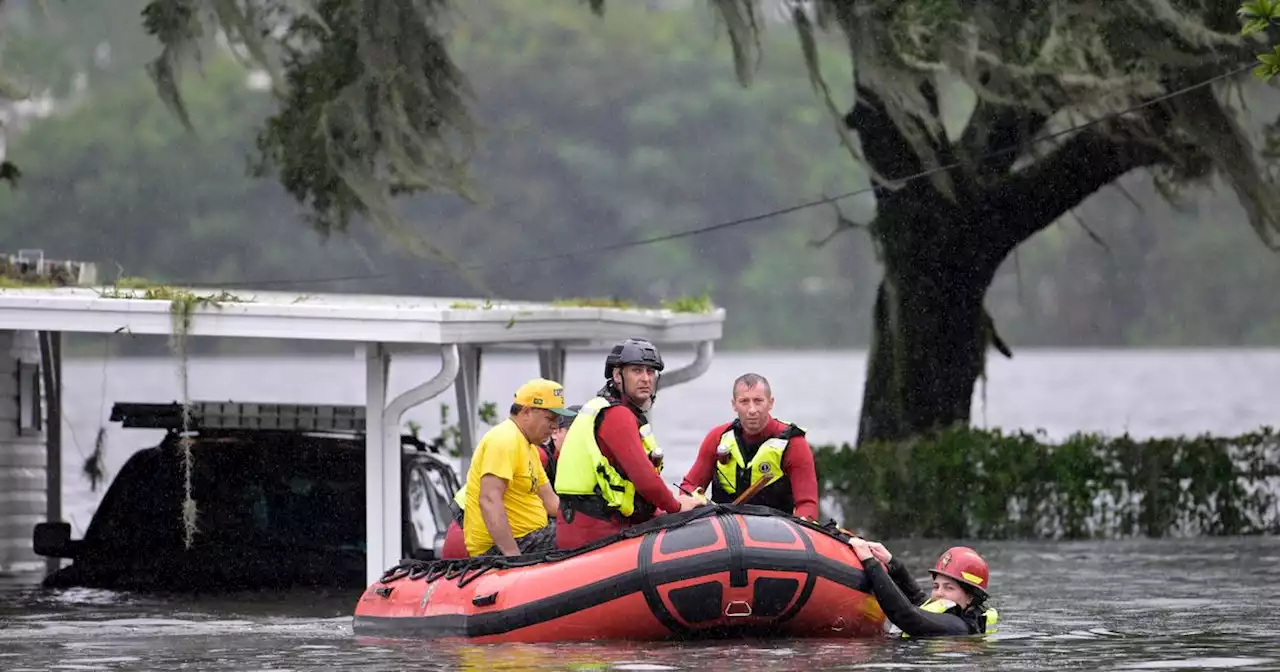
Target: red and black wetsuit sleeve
797,463
620,444
907,583
909,618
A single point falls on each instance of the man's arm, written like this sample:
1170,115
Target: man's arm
620,433
704,465
550,500
797,462
494,512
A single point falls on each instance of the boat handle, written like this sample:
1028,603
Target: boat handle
742,609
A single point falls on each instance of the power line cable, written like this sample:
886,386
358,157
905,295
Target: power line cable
796,207
872,189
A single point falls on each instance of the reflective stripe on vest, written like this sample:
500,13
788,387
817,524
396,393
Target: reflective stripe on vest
767,462
990,615
583,470
461,498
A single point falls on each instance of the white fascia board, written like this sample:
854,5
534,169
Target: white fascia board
358,318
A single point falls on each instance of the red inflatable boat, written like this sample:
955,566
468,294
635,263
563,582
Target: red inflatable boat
726,572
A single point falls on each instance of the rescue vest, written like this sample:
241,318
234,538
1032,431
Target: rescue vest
583,470
736,474
985,622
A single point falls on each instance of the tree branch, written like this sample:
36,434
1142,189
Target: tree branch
1037,196
996,128
883,145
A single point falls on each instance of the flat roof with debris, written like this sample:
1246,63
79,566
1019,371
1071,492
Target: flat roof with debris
247,313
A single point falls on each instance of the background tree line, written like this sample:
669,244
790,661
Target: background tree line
592,131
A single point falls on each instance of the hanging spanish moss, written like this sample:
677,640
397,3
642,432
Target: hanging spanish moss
181,308
371,104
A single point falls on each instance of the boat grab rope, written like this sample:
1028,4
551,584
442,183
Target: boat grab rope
466,570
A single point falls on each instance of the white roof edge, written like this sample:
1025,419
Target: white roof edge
351,317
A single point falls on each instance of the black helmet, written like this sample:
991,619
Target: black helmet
632,351
567,420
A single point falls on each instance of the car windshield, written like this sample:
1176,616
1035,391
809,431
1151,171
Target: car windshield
250,491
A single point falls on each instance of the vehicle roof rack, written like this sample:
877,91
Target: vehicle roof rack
227,415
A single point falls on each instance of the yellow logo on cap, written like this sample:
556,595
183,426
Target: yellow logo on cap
971,578
541,393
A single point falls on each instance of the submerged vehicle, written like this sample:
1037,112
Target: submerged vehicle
725,571
280,497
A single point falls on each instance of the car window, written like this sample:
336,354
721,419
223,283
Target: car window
284,491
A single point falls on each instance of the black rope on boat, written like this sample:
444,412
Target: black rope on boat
466,570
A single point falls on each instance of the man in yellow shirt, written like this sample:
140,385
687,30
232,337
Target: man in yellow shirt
509,497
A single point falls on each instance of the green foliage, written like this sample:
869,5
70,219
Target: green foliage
449,440
369,100
641,132
645,133
372,98
981,484
115,179
701,303
1258,16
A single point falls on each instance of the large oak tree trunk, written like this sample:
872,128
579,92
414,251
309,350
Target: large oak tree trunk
925,356
941,254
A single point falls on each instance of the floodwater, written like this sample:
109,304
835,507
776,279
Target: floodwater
1124,604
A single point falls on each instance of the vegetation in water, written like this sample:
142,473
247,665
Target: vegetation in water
964,483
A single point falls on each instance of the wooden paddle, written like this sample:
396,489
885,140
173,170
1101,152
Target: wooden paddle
751,491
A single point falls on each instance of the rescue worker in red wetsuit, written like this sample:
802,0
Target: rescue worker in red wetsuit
607,474
754,447
955,607
455,545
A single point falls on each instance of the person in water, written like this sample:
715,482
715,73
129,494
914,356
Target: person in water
956,605
455,545
757,447
607,473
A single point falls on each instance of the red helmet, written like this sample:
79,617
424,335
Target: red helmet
963,564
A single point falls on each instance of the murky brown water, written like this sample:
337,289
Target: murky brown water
1140,604
1135,604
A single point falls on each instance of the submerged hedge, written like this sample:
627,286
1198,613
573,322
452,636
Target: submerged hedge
985,484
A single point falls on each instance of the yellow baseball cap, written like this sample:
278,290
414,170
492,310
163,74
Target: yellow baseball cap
545,394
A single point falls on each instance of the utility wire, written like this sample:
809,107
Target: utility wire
804,205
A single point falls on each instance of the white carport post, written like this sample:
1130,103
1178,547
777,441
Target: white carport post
551,362
468,393
383,504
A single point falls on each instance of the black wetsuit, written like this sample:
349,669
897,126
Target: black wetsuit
900,597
